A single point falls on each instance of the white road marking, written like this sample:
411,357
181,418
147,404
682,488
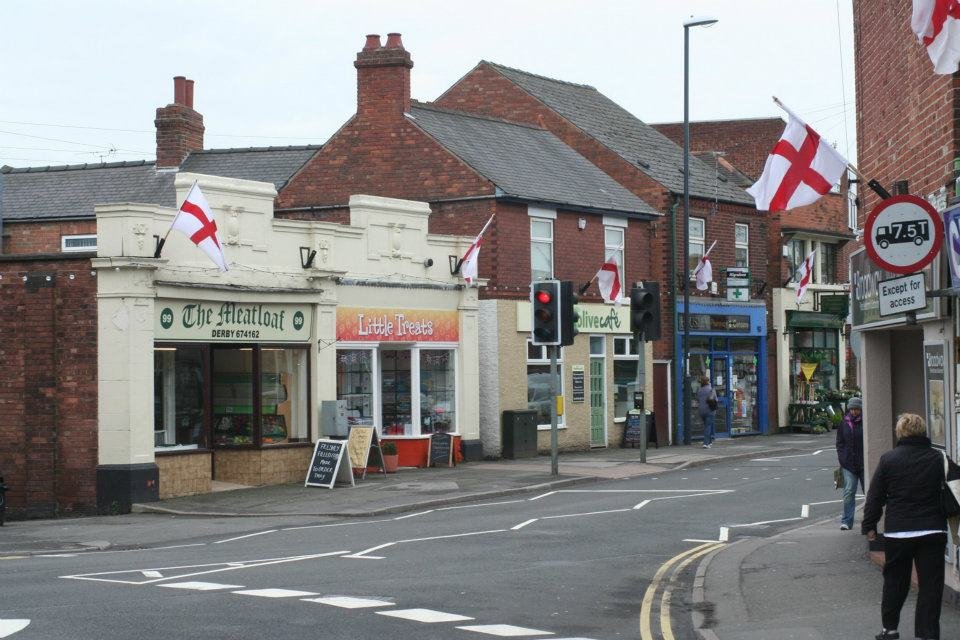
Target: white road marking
505,630
474,506
828,502
724,534
249,535
523,524
222,567
646,490
177,546
805,511
336,524
414,515
58,555
275,593
10,627
641,505
200,586
424,615
588,513
756,524
348,602
699,540
542,495
152,574
362,554
779,458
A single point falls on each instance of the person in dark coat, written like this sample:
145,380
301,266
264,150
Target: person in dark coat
850,456
907,483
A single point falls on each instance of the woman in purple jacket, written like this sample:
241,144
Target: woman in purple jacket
850,456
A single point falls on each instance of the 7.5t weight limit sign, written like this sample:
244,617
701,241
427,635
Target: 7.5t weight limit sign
903,234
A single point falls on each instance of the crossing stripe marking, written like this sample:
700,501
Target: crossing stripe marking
275,593
424,615
200,586
10,627
505,630
348,602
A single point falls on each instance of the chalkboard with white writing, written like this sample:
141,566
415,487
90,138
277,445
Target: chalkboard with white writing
441,449
326,467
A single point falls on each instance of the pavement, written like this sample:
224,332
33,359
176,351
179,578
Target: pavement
814,582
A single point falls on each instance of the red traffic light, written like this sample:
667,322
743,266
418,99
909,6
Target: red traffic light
543,297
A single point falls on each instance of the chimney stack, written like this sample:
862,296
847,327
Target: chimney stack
383,77
179,127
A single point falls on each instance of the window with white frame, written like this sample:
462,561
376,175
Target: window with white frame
852,207
541,248
613,244
798,252
539,396
78,243
698,237
826,258
741,244
626,359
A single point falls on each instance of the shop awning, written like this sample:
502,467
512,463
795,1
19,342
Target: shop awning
813,320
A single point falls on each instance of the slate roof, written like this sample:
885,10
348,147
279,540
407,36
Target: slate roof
724,171
623,133
266,164
71,191
526,162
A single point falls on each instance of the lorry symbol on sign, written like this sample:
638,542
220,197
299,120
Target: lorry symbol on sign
915,231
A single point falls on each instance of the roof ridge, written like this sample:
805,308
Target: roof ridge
537,75
476,116
722,120
78,167
291,147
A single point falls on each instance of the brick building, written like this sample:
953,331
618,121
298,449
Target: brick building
907,140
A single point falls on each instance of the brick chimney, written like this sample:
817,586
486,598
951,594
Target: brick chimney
179,127
383,77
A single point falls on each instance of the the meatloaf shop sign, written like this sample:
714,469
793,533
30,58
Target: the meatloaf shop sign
367,324
209,321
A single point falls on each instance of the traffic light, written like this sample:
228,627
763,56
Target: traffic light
545,302
645,311
568,313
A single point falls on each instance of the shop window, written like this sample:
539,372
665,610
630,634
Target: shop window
355,385
233,398
613,244
437,391
741,245
284,395
396,400
698,236
827,258
541,249
743,388
698,343
626,360
814,364
178,395
538,383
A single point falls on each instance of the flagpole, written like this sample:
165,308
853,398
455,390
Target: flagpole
586,286
163,240
479,235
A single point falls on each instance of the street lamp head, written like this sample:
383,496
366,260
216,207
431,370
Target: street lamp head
699,21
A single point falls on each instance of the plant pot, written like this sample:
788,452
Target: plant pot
391,463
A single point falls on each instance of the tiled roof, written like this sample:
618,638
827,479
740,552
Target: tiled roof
724,171
71,191
624,134
526,162
266,164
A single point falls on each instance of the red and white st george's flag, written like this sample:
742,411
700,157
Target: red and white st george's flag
800,169
195,220
704,271
804,274
937,25
608,279
468,264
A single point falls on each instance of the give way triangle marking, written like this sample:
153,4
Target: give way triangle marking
10,627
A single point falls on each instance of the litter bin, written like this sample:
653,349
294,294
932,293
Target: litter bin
519,434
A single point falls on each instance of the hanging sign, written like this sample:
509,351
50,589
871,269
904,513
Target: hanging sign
903,234
951,220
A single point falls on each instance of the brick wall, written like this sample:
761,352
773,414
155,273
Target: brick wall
42,237
179,127
48,402
745,143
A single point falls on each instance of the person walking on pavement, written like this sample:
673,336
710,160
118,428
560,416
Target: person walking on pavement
707,407
907,482
850,456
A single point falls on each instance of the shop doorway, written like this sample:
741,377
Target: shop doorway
719,377
598,405
396,399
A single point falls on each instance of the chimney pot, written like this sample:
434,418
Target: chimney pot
179,90
373,42
188,94
393,41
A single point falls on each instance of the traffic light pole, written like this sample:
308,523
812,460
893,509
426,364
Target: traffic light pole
554,391
641,387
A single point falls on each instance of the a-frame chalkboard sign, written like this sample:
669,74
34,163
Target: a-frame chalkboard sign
326,465
364,448
441,449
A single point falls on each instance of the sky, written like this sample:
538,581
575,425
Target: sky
82,79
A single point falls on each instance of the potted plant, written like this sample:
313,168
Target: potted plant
391,460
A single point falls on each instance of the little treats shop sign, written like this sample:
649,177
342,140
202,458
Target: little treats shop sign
211,321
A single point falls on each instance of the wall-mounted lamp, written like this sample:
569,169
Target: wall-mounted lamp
306,257
582,224
454,264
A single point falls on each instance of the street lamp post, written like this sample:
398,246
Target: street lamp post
685,364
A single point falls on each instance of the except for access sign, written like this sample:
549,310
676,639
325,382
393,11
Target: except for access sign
900,295
903,234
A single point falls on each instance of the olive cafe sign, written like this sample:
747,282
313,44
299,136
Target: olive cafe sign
595,318
370,324
211,321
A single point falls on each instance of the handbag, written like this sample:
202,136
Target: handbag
712,401
949,492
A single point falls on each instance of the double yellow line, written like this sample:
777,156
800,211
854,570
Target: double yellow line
684,559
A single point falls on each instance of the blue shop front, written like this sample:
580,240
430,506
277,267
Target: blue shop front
728,343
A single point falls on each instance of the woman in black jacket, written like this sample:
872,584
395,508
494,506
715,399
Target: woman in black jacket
907,482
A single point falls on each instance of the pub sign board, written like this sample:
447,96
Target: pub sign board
903,234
